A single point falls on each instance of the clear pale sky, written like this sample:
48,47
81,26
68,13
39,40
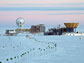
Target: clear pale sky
48,12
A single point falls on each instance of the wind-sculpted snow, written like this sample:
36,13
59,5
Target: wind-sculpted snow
34,48
20,49
28,48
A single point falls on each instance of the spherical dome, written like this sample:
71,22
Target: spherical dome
20,21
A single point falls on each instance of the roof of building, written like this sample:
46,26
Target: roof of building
71,25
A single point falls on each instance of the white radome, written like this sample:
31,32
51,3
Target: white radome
19,21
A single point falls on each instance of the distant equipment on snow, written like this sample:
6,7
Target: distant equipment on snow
20,22
10,33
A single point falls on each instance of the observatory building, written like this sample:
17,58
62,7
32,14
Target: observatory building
20,22
69,28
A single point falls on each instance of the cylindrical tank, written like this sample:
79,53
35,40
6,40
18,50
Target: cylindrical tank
42,28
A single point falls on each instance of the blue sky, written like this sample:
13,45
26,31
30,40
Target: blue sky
41,11
40,8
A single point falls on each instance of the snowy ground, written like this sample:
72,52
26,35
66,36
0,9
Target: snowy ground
41,49
21,49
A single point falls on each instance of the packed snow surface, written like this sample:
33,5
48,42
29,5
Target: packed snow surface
28,48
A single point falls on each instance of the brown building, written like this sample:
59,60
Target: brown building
35,29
